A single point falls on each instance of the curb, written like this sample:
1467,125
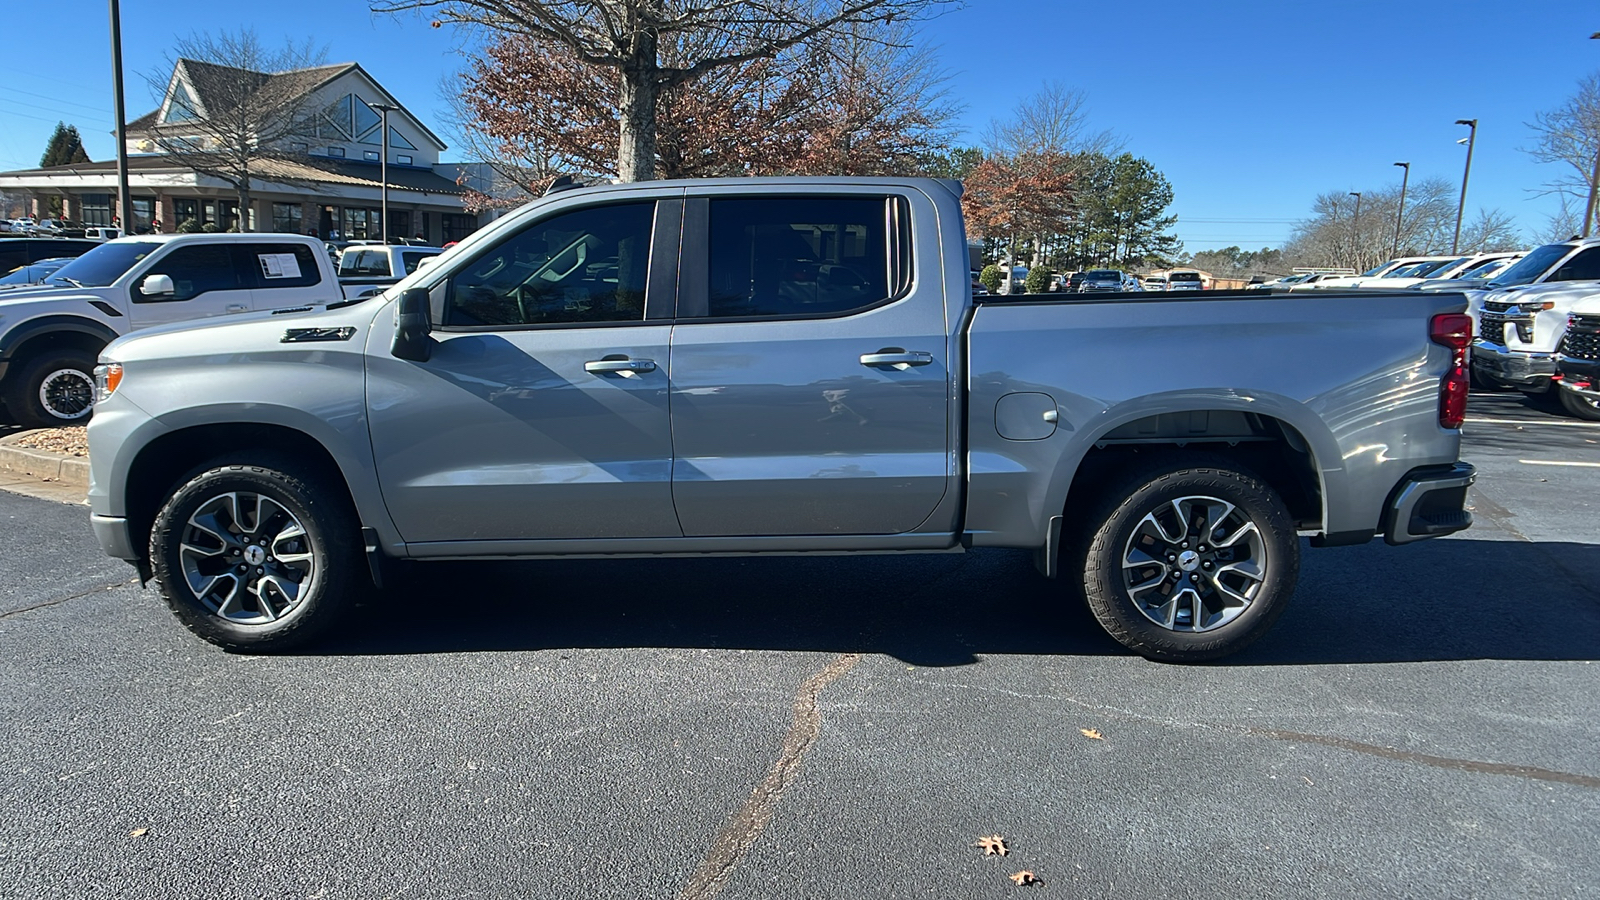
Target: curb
58,468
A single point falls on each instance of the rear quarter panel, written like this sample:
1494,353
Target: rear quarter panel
1354,374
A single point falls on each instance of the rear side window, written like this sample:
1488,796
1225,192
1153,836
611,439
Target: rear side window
281,265
588,265
411,260
805,256
194,270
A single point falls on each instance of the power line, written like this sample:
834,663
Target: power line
94,121
98,109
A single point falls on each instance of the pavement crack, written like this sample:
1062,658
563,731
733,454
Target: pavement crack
736,838
57,602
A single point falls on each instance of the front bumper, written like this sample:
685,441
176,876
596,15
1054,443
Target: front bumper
115,540
1580,376
1429,502
1514,367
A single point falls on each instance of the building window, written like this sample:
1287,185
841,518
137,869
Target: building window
457,226
360,224
286,218
186,211
144,210
336,152
403,160
399,223
97,209
370,155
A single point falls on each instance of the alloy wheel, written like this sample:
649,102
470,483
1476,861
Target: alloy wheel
67,394
246,558
1194,564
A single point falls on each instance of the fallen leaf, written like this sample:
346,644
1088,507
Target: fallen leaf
139,832
1092,734
993,845
1025,877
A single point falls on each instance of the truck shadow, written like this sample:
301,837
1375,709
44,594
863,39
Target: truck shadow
1451,599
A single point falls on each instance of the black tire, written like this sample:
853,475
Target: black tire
69,394
331,580
1580,406
1118,517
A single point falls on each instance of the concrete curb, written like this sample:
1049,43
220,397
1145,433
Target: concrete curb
59,468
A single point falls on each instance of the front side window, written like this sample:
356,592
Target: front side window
589,265
1583,267
1533,265
794,256
194,271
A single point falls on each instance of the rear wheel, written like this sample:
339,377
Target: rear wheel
52,390
1579,405
257,556
1185,560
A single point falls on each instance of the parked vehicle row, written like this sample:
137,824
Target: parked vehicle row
1524,313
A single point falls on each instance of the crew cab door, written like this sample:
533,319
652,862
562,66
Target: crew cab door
810,367
207,281
542,411
287,275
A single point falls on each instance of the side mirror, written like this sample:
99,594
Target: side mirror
413,324
157,286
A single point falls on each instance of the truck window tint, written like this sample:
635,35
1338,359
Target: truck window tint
364,264
194,271
1583,267
412,260
797,256
589,265
269,262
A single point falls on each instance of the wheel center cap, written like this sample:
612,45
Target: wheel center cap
1188,560
255,555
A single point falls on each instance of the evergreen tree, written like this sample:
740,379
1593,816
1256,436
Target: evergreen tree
65,147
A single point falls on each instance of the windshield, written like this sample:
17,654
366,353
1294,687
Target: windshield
1488,269
1376,269
1428,268
103,265
1533,265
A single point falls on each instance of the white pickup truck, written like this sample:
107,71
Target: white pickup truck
51,334
1524,313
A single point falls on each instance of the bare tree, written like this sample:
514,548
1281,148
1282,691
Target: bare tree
627,37
247,105
1569,136
1332,236
1054,120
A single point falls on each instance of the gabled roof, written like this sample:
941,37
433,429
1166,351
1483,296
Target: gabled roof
205,79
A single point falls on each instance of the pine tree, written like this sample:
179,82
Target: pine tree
65,147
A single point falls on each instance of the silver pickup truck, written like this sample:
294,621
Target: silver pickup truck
775,367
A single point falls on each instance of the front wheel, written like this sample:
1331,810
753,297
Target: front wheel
1185,560
1580,405
257,557
53,390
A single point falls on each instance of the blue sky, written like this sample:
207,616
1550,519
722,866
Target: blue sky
1250,107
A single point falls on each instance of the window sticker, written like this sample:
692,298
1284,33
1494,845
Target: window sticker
279,265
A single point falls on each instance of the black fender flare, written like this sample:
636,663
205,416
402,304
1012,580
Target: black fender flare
32,328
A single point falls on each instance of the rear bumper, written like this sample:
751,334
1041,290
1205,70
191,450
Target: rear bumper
1429,502
1523,369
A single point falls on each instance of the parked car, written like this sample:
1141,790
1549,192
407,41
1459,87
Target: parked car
1075,282
1479,273
102,233
1341,282
1100,280
1578,361
35,273
1532,297
659,369
23,225
57,228
1184,280
49,335
25,251
1155,282
1432,270
369,269
1130,283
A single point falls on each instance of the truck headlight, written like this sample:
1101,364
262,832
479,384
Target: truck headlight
106,380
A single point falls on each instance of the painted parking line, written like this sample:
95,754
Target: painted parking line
1559,462
1560,422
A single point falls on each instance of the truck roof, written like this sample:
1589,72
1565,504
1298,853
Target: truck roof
209,237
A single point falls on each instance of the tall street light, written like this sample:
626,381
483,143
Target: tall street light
124,202
1355,240
1470,140
1399,216
383,165
1594,179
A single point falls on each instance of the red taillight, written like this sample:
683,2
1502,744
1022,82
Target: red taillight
1453,330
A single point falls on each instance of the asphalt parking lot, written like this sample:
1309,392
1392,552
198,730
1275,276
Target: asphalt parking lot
1422,722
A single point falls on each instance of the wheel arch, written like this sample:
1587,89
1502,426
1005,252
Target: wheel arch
52,332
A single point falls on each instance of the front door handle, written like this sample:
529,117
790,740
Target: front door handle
238,308
620,365
897,358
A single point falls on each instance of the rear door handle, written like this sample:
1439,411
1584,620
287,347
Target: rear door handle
620,365
897,358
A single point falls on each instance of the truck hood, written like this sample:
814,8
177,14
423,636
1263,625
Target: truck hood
256,332
47,292
1562,293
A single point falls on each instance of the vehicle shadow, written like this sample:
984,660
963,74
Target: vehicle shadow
1450,599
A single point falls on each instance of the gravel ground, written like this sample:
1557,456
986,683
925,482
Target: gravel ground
58,440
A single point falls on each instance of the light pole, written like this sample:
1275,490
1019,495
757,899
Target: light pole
1470,140
1594,178
383,165
1355,237
1399,216
124,202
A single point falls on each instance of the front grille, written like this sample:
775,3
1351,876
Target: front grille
1583,338
1493,319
